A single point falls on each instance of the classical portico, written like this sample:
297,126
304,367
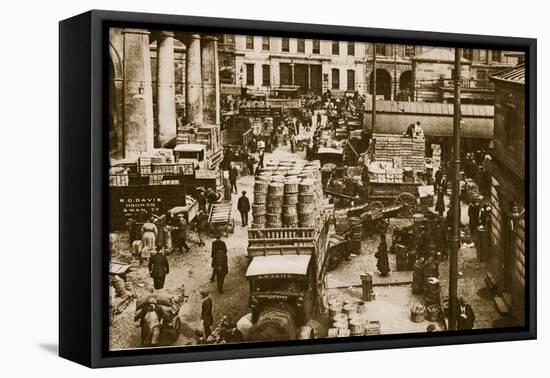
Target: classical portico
149,121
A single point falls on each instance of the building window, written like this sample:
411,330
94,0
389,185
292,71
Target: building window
249,42
301,45
409,51
335,78
351,48
468,54
265,44
380,49
316,46
249,74
335,48
285,45
266,75
496,56
351,80
229,39
285,74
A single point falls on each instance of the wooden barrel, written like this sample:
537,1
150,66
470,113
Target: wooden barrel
290,199
274,225
274,209
291,186
350,309
258,225
289,210
260,186
290,219
306,198
357,327
340,318
260,198
361,307
372,327
275,201
276,188
306,207
306,186
258,209
259,218
332,332
273,218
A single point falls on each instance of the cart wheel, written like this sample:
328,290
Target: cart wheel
408,203
375,205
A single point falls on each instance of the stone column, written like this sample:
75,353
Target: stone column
138,93
211,80
193,80
309,77
292,73
166,91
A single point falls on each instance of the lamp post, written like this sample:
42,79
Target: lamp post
455,200
373,122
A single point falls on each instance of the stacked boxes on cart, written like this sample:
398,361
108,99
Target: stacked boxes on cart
287,194
396,158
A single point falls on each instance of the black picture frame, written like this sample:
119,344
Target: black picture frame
83,259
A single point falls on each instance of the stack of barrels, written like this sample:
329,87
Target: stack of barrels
356,232
348,318
274,206
287,194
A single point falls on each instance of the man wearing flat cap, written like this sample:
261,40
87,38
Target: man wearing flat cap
243,205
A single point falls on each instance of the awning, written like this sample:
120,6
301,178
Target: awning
278,264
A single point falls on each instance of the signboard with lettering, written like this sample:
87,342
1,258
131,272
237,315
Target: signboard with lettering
127,202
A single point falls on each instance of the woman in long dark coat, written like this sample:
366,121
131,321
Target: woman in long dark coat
382,263
440,203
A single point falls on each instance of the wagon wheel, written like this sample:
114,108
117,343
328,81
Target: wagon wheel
375,205
408,203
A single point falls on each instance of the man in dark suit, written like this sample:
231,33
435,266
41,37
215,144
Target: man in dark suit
158,269
206,314
466,317
243,205
219,262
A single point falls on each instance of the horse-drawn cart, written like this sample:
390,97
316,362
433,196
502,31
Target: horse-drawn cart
221,218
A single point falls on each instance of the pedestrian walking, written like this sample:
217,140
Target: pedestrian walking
243,205
473,216
206,314
158,269
201,199
319,119
233,175
149,234
293,143
382,260
202,225
181,234
440,203
466,316
219,262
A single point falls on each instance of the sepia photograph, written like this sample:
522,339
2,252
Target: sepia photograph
268,188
